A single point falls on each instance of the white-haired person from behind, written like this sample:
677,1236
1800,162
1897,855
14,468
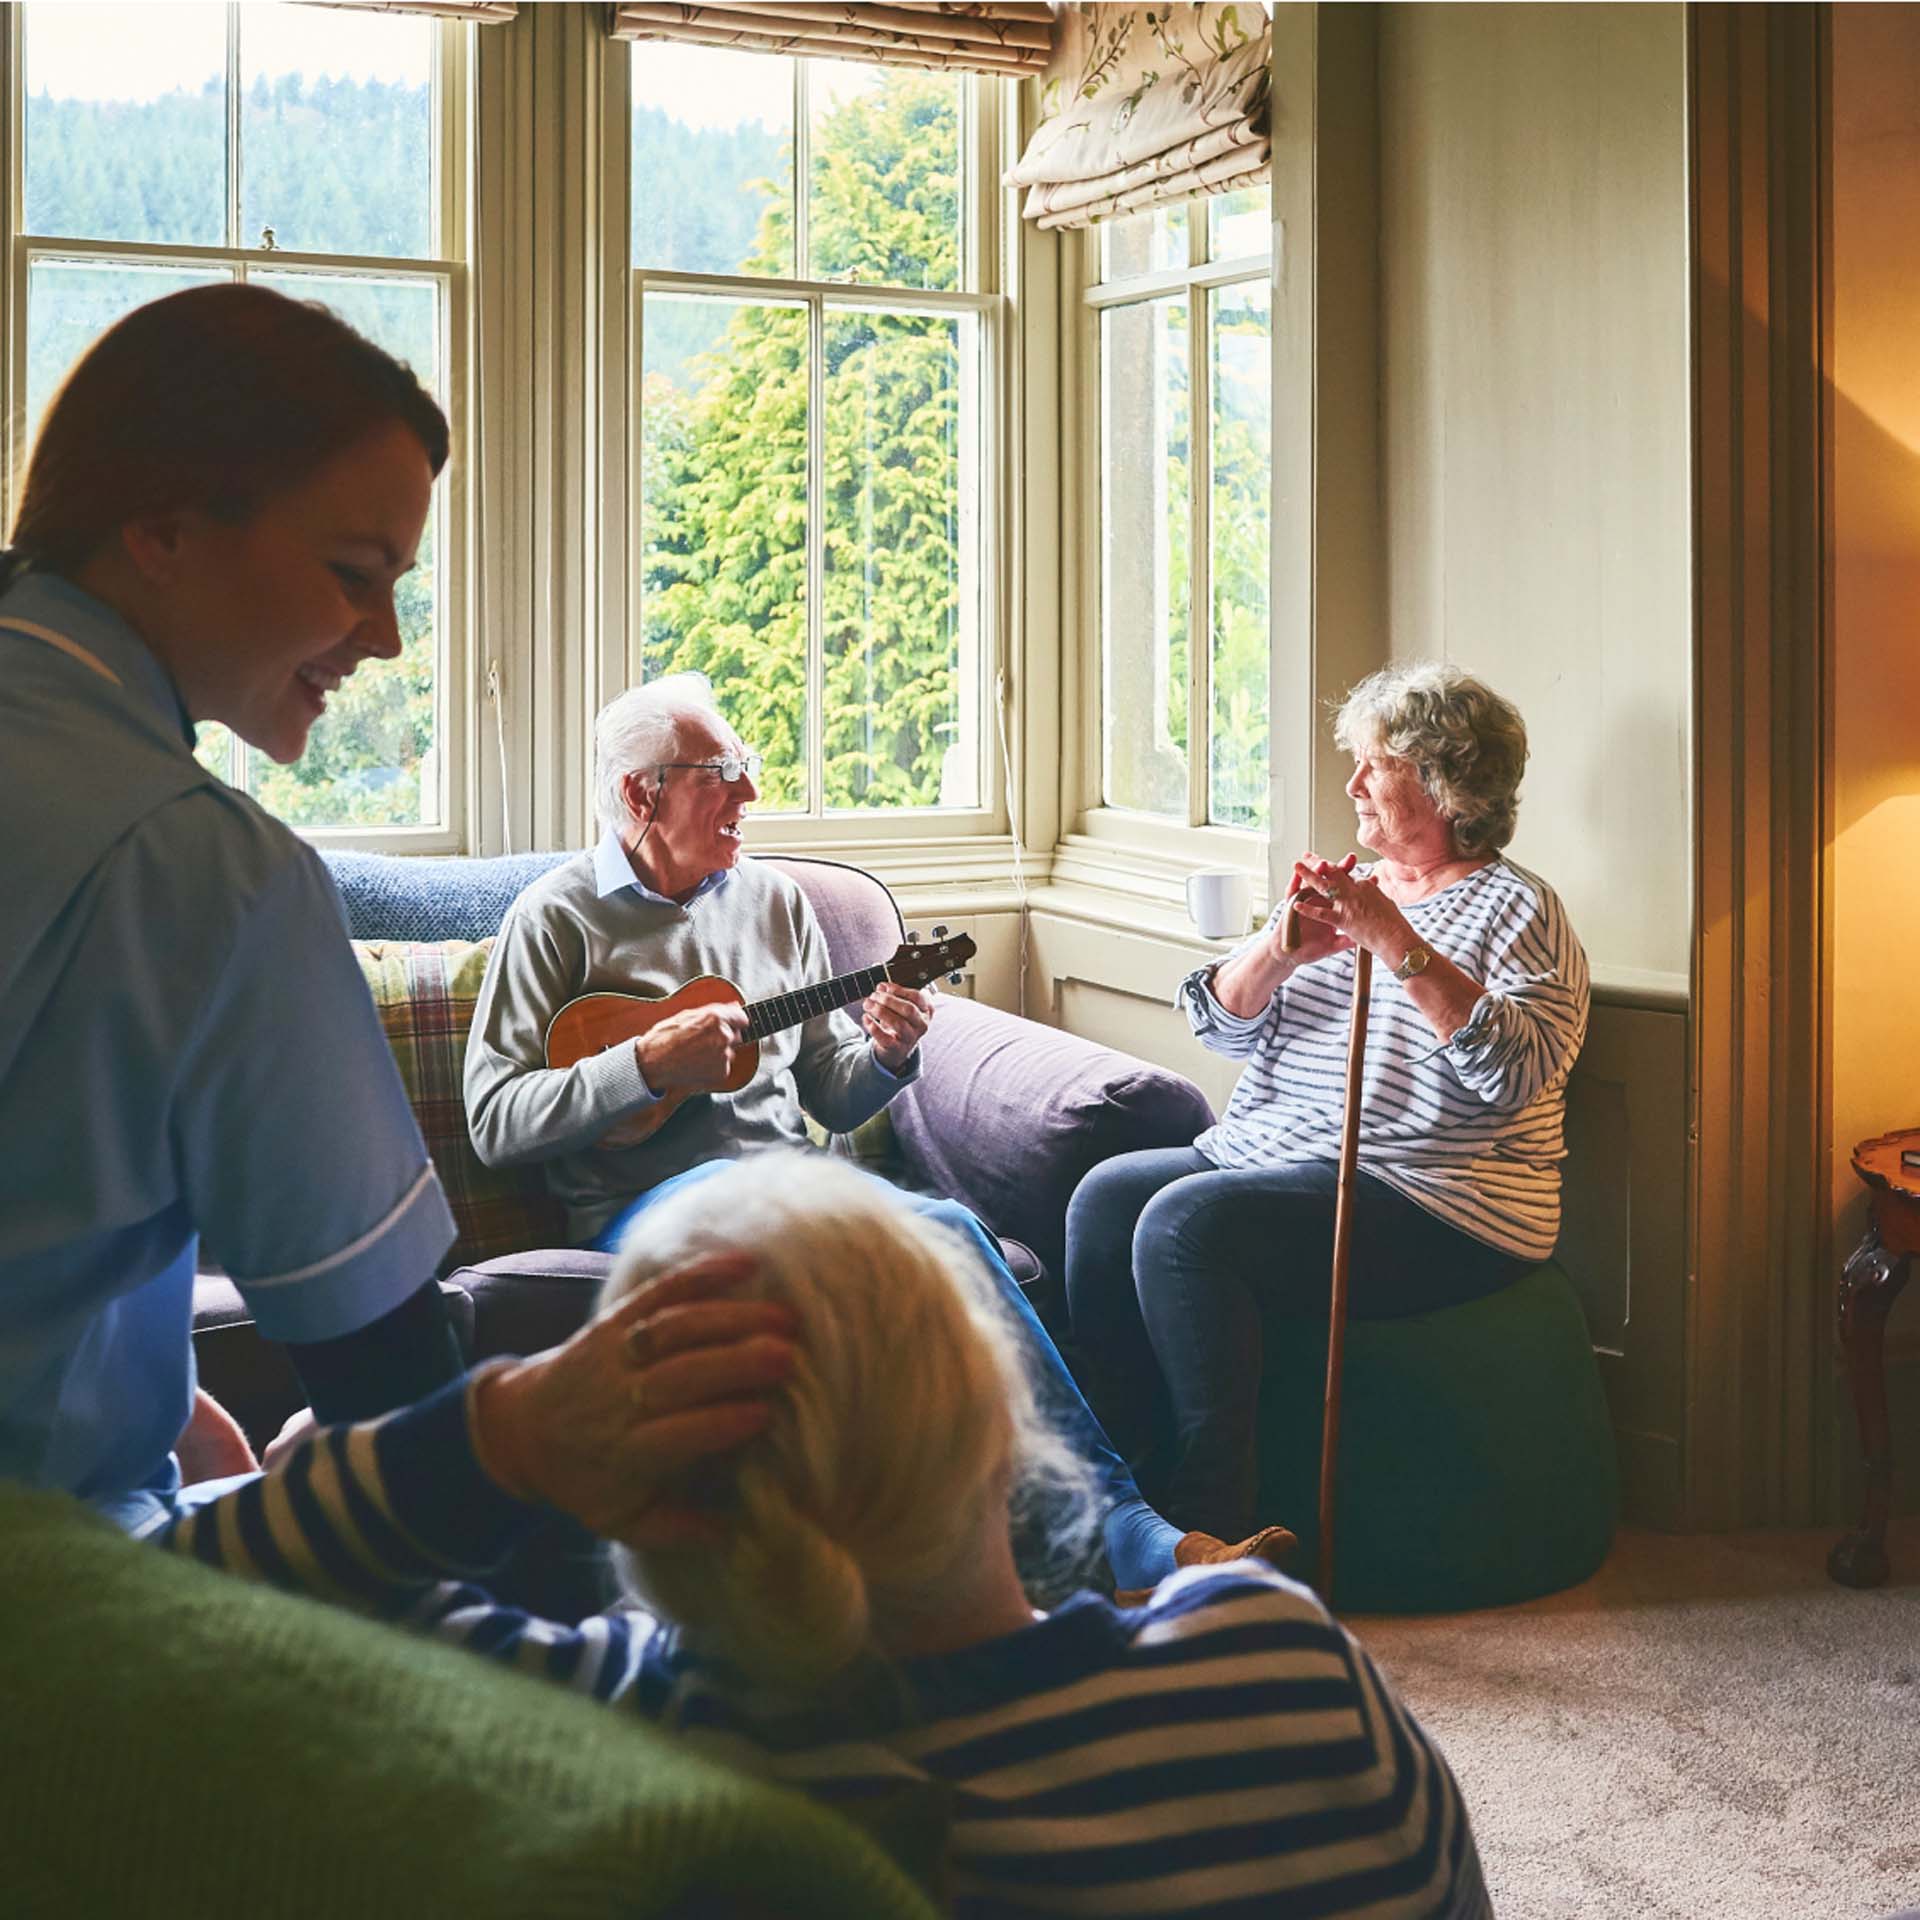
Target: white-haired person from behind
822,1585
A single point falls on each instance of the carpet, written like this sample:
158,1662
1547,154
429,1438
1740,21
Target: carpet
1708,1727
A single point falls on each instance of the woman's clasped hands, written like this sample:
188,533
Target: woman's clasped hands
604,1426
1339,909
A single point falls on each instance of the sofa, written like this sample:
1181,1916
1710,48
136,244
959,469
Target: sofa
1006,1115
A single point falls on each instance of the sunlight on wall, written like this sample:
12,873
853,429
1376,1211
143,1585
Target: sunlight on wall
1876,227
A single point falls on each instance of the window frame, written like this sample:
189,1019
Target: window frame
899,842
452,52
1105,841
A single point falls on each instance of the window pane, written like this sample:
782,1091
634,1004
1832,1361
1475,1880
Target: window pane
885,186
901,626
126,134
723,502
69,306
335,131
1144,544
394,311
1143,242
1240,224
371,758
712,160
1242,449
213,748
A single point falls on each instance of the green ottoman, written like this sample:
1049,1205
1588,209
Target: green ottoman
1476,1457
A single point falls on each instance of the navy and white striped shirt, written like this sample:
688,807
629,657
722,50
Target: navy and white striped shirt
1470,1128
1225,1750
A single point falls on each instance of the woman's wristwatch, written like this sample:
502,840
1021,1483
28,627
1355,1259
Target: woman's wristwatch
1415,961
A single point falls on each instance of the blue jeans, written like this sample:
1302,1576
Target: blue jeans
1060,1398
1174,1266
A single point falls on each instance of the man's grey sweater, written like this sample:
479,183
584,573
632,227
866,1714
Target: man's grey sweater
563,938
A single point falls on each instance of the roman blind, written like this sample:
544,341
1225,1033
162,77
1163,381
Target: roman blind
1144,104
1012,37
485,13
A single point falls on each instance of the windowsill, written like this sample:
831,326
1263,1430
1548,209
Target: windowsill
1101,907
1111,859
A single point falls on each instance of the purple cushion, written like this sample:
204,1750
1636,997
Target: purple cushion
856,912
1009,1116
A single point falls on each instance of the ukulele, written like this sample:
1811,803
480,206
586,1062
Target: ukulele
597,1021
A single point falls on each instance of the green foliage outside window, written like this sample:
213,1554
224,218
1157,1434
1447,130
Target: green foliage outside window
322,156
724,458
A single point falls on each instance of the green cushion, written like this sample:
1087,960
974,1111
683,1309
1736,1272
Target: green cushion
174,1741
1476,1458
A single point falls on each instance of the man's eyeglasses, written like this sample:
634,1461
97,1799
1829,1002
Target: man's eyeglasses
730,769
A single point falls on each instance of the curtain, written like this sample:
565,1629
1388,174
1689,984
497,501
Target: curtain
1145,104
1009,37
481,12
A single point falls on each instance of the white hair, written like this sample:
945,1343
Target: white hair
910,1419
1467,744
641,729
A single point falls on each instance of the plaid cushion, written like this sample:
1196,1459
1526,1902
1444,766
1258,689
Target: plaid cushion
871,1144
425,993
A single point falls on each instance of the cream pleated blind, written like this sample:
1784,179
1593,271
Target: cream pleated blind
1010,37
1146,104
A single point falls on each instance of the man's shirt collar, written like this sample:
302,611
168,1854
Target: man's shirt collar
612,870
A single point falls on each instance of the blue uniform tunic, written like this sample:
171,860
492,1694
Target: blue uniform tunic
187,1049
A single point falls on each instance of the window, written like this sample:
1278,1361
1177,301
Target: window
168,146
814,313
1182,319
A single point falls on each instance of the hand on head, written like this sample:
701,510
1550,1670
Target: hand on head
604,1426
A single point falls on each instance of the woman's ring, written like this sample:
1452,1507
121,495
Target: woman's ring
637,1394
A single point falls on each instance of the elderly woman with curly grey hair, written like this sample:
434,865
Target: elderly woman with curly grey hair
1177,1257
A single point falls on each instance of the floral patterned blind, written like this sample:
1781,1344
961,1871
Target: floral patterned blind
1145,104
1005,36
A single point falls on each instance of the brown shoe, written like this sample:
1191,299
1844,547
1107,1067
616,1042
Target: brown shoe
1271,1544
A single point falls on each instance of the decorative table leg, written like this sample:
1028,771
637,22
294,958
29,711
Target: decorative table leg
1869,1286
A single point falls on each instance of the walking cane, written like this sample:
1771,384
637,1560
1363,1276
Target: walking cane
1342,1239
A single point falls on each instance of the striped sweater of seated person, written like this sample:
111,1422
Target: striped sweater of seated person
1471,1128
1226,1749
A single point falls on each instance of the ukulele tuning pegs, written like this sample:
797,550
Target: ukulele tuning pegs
954,979
913,939
939,933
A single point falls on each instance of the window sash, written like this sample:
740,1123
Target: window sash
977,296
1100,820
452,546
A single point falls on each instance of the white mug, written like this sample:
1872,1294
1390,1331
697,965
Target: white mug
1219,901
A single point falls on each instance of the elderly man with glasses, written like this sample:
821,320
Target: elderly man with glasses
660,901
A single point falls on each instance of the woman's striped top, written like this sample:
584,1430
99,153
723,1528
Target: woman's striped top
1225,1750
1470,1128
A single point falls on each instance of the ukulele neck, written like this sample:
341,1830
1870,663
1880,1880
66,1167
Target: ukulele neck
785,1010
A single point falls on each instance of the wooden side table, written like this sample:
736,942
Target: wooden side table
1869,1285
